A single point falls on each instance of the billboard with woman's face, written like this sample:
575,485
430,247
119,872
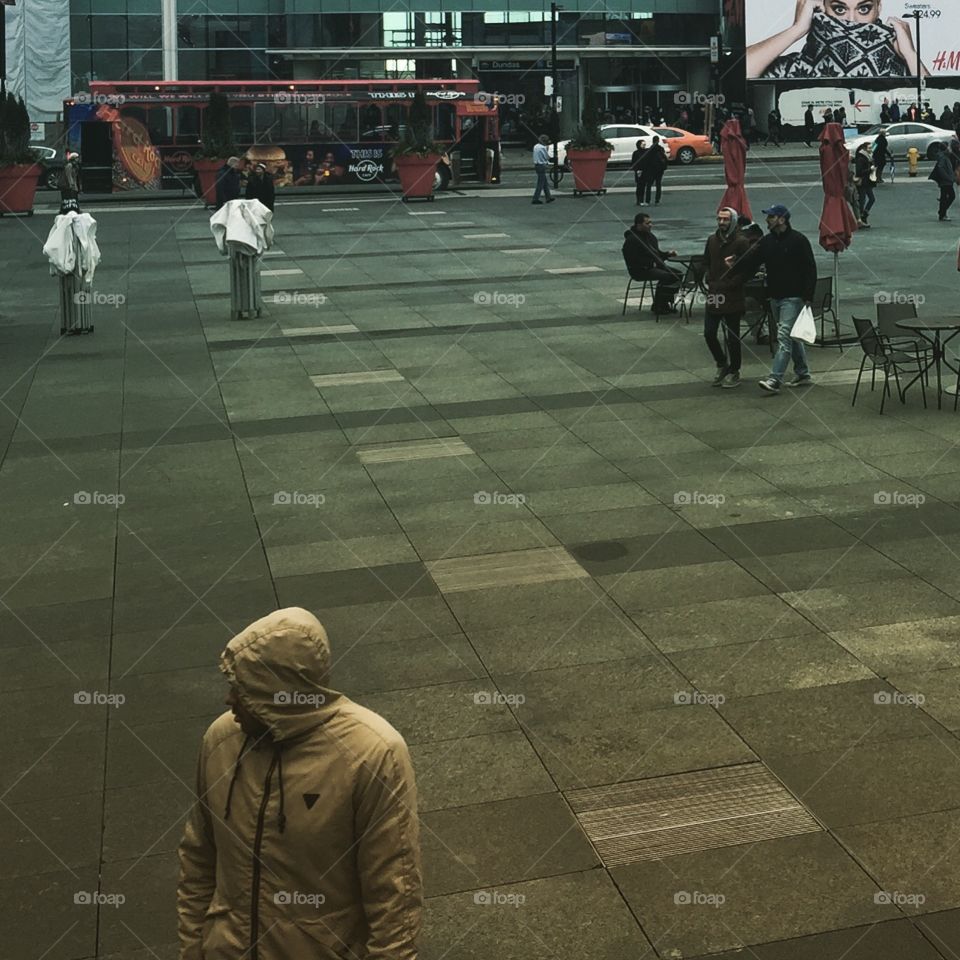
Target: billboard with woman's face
851,39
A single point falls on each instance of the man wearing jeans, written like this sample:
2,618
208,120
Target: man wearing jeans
541,157
791,279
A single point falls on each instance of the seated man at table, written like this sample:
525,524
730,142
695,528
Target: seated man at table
646,261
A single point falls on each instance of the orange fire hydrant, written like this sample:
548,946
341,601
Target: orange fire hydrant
913,157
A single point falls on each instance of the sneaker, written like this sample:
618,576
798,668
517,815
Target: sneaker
721,376
730,381
537,202
805,381
551,199
770,385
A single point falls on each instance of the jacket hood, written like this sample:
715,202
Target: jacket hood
280,666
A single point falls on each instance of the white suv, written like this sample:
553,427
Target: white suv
624,137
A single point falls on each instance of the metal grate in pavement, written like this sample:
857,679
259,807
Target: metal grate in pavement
508,569
687,812
415,450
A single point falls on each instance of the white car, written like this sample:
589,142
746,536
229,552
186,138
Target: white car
624,137
930,141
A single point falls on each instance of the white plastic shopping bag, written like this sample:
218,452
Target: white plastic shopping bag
805,327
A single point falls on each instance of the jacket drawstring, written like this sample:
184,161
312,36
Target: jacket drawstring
233,779
281,816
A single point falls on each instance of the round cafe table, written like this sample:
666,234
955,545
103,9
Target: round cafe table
938,332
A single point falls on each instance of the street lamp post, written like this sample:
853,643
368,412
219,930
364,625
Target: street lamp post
916,16
554,119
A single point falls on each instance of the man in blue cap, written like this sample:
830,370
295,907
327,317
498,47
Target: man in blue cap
791,279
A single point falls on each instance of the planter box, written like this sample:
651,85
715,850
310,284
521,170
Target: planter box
18,186
416,174
207,170
589,168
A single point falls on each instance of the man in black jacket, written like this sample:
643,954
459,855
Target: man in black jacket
646,261
944,176
260,186
791,280
228,181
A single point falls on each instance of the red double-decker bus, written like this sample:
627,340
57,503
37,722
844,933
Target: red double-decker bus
134,135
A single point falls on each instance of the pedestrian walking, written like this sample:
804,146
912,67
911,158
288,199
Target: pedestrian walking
865,175
725,299
301,793
791,280
68,183
646,261
945,177
541,159
228,182
895,111
809,126
260,186
881,154
774,127
885,111
636,165
653,165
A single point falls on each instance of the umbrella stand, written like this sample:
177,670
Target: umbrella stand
836,281
836,341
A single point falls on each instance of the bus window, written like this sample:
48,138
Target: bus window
241,117
266,122
187,124
158,123
445,121
395,119
135,113
342,119
370,121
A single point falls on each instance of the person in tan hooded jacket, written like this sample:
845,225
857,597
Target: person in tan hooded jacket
304,840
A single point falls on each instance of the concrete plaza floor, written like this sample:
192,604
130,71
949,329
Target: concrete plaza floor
678,666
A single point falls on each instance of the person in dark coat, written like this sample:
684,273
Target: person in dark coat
725,300
895,111
228,182
646,261
944,175
809,126
652,166
881,154
863,177
636,165
260,186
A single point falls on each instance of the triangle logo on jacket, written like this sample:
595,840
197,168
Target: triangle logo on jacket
310,799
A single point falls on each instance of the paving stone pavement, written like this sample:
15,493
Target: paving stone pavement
544,548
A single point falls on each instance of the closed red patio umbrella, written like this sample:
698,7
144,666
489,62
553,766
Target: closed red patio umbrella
837,222
734,149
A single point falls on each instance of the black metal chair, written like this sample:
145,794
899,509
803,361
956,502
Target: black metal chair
647,285
692,283
823,309
878,352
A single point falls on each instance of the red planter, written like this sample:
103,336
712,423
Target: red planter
18,186
589,168
416,174
207,170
